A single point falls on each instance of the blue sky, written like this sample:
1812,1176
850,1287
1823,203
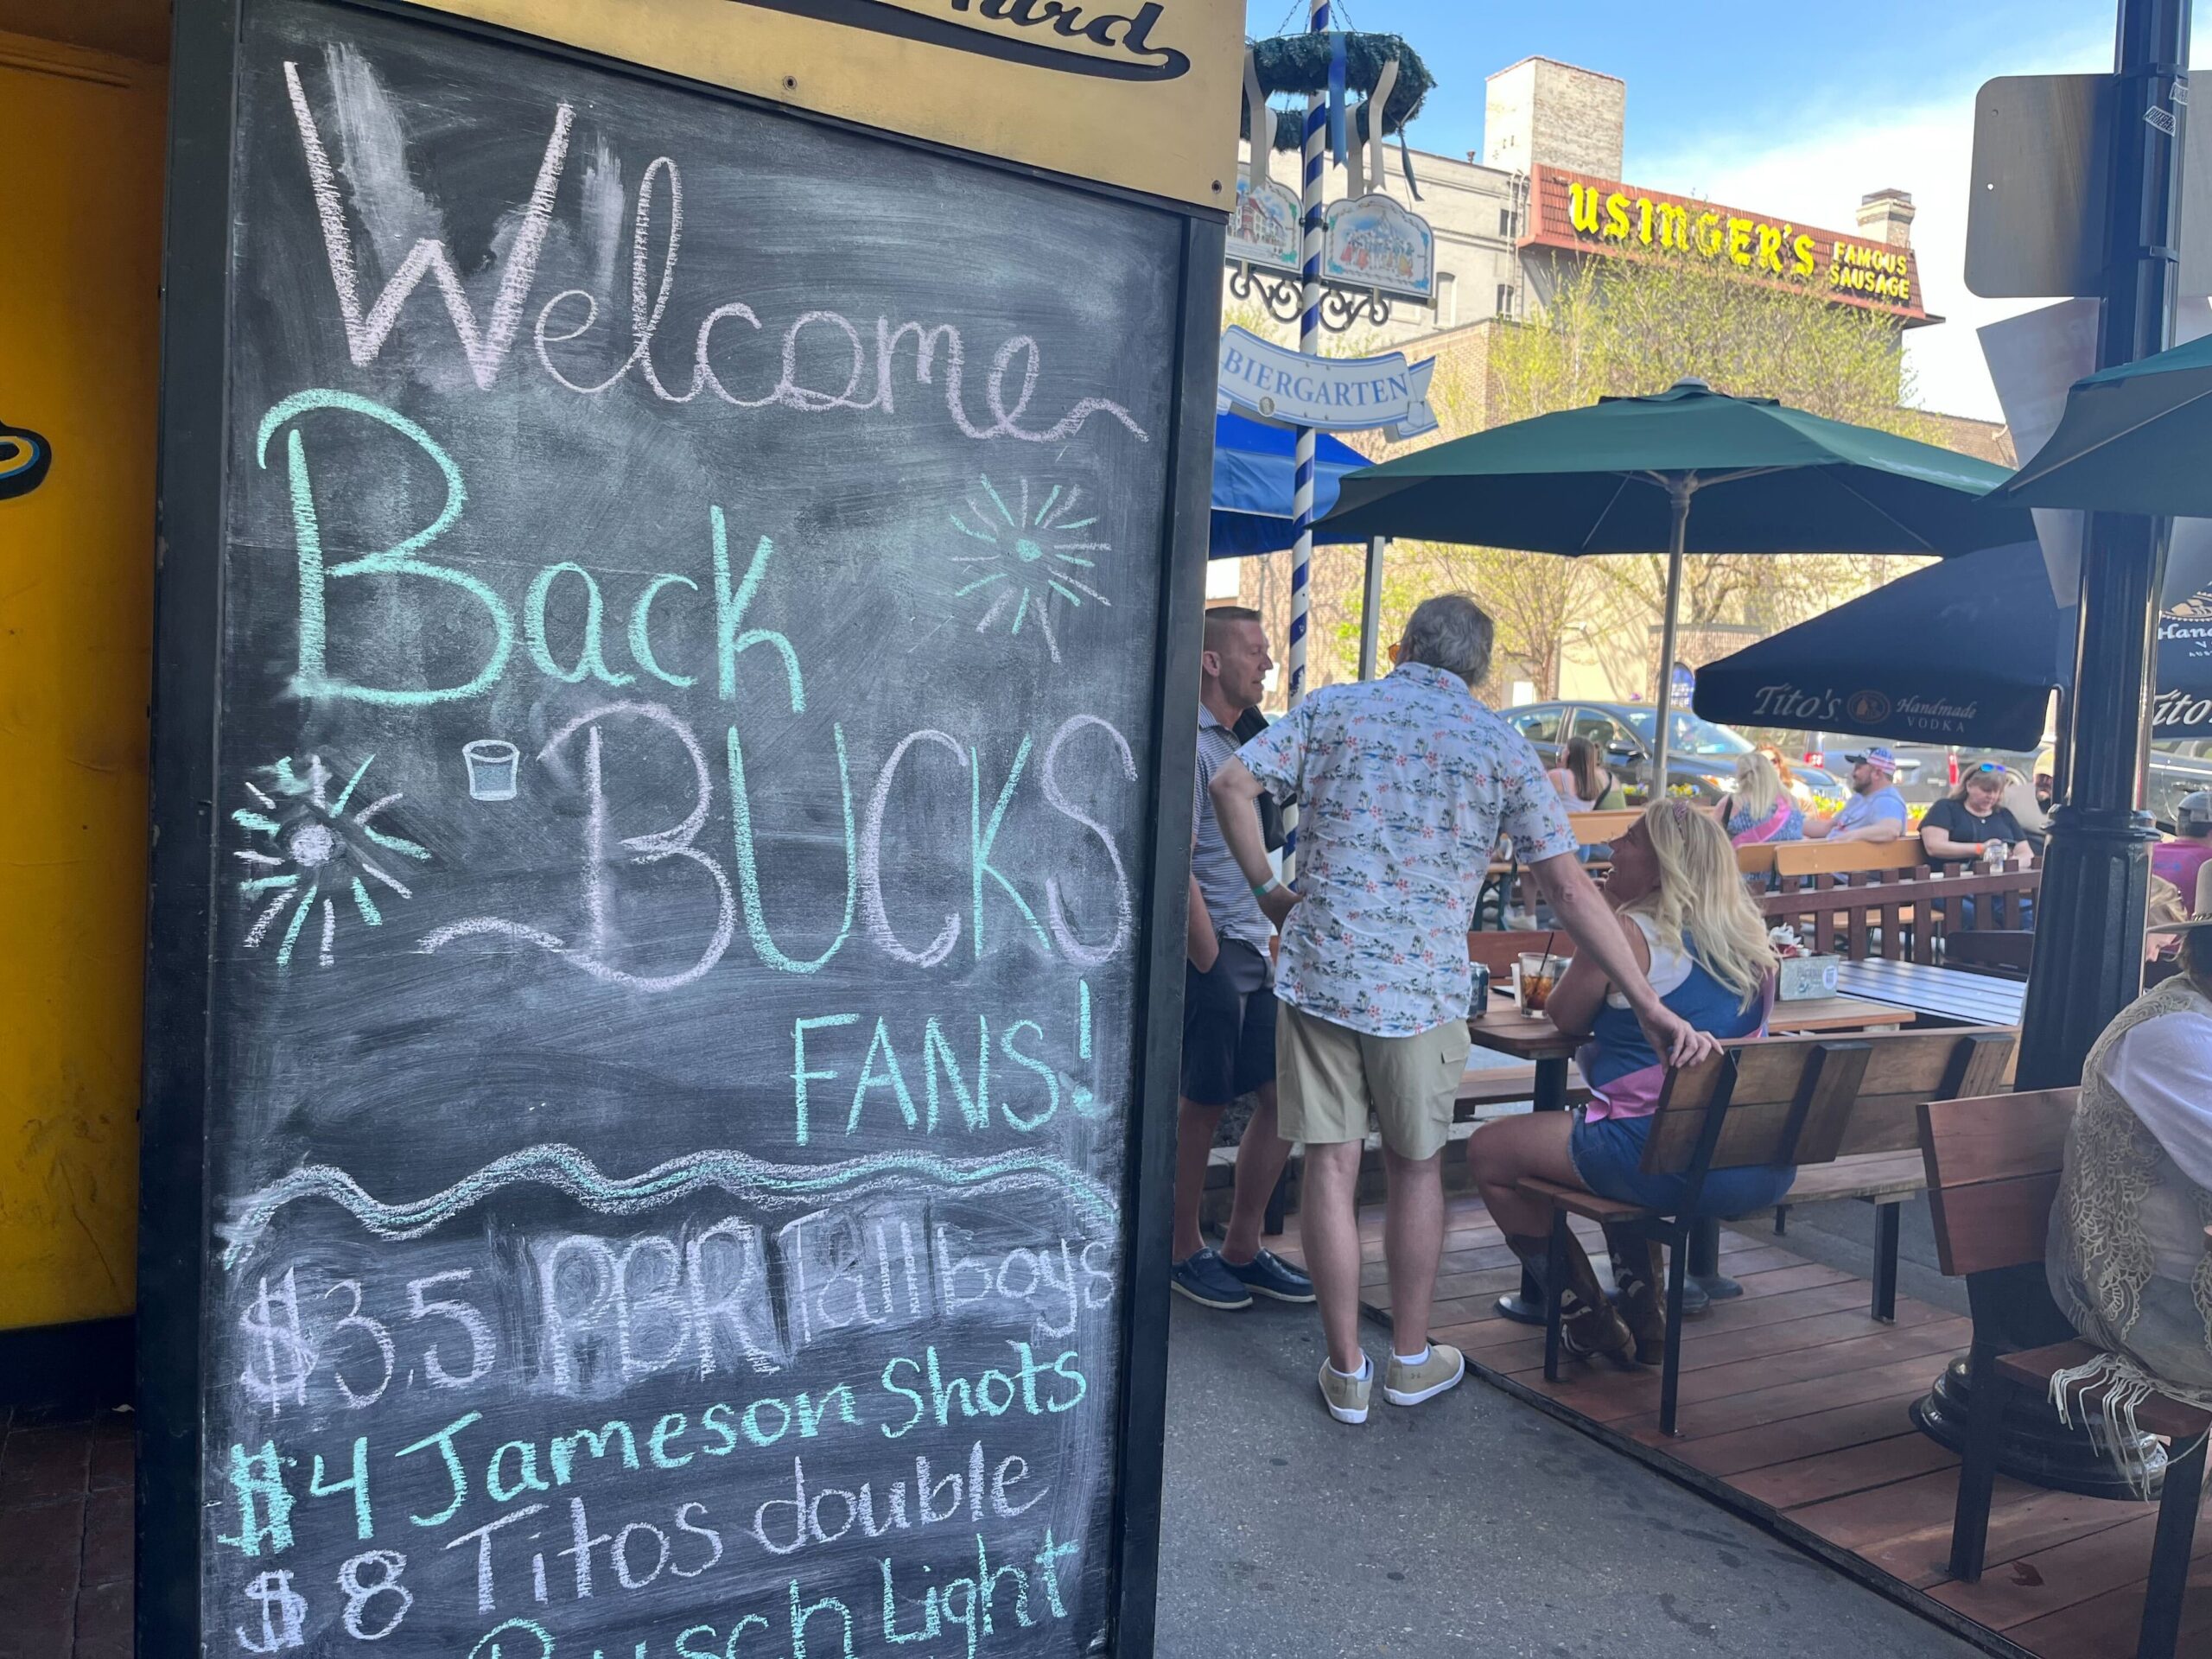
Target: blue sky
1792,109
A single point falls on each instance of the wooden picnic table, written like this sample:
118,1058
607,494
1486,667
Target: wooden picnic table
1944,993
1505,1030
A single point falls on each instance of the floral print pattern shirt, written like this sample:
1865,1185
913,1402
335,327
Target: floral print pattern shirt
1403,784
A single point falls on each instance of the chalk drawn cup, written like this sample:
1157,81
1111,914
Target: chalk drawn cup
491,764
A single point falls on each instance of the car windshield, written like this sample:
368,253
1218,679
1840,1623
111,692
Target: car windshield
1687,735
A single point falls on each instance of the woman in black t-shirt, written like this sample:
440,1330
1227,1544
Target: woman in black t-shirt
1972,821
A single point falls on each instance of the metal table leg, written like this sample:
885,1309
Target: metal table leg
1526,1306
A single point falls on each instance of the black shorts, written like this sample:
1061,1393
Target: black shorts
1228,1026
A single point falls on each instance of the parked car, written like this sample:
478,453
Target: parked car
1700,754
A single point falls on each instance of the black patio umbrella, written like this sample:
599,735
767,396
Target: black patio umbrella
1968,651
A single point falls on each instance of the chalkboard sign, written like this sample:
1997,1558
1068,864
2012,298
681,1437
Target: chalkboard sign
662,885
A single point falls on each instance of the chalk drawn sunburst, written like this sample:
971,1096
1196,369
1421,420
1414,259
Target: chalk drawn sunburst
1035,557
305,851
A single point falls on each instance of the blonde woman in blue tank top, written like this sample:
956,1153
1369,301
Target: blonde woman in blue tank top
1697,933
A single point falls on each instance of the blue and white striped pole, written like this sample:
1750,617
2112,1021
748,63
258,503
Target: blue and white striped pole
1309,345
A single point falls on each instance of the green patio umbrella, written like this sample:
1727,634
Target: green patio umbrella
1623,474
2132,439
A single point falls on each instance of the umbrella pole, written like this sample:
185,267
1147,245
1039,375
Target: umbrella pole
1680,487
1704,1264
1370,609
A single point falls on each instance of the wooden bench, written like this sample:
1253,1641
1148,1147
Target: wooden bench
1993,1168
1805,1101
1879,1161
1901,917
1600,829
1590,829
1758,861
1834,858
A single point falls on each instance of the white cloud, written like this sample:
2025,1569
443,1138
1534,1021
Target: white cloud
1925,147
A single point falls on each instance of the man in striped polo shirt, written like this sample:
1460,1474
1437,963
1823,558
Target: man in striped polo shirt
1229,1010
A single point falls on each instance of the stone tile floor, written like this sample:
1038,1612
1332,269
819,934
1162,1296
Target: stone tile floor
64,1534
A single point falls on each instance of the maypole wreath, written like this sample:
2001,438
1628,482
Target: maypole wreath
1373,65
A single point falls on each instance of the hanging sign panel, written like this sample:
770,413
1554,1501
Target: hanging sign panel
658,789
1264,231
1370,242
1332,394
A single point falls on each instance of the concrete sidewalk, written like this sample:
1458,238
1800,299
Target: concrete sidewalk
1472,1525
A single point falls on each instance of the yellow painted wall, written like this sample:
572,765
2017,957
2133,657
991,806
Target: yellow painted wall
81,140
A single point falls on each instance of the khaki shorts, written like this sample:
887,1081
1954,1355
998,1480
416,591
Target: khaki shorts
1329,1078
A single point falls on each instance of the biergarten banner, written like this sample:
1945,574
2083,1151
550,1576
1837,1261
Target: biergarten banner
1332,394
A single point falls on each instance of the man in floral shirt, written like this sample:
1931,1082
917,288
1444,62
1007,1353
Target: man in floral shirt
1403,784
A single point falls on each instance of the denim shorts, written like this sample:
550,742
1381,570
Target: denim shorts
1608,1155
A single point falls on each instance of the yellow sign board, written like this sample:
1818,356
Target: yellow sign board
1577,211
1141,93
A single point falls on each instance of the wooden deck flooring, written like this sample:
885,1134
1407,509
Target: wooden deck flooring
1794,1404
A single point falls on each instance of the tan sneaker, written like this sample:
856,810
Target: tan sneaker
1346,1397
1409,1385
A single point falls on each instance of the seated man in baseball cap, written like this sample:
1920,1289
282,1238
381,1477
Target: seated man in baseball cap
1875,810
2181,857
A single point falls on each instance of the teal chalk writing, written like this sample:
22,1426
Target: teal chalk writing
591,659
751,1422
641,618
255,821
459,1477
729,614
837,1403
803,1613
357,1483
365,905
670,1427
564,1447
346,794
1083,1019
264,1505
1038,1119
314,679
937,1057
399,844
800,1075
526,1478
292,934
722,1169
982,836
749,868
487,1647
871,1078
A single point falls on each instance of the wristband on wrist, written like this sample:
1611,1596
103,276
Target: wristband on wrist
1262,889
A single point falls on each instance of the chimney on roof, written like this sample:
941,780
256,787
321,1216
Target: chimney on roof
1886,216
1541,112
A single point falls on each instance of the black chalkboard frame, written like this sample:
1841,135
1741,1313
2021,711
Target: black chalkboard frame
191,507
